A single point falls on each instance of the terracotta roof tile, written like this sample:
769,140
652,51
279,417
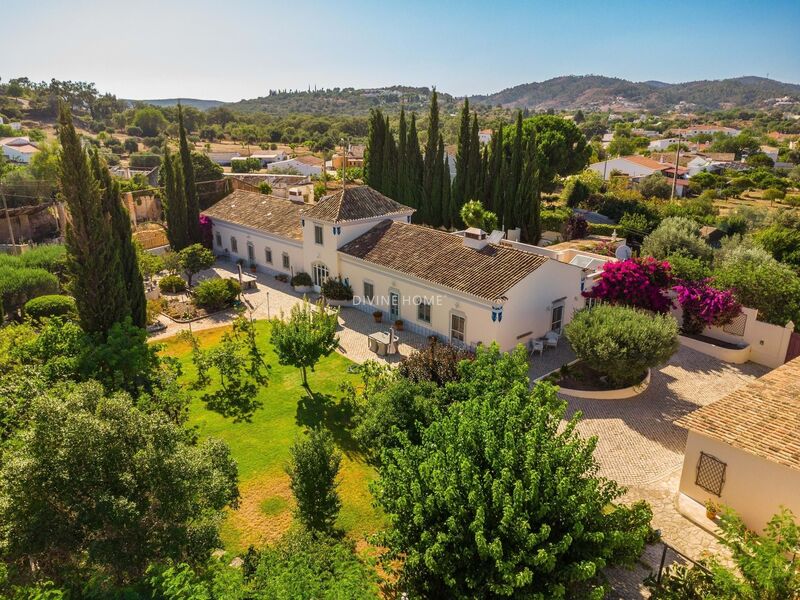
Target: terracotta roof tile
442,258
355,203
258,211
762,418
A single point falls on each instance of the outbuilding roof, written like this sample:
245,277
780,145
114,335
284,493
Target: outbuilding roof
356,203
762,418
442,258
259,211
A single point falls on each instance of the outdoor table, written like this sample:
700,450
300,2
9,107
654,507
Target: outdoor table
382,343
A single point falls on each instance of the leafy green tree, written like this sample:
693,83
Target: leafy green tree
500,499
194,259
308,335
622,342
150,120
94,266
205,169
473,214
655,186
686,268
765,565
313,474
192,203
676,235
175,212
96,485
123,238
782,242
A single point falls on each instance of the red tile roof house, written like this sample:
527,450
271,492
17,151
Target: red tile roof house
637,167
743,451
466,289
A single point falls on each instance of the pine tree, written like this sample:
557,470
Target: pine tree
174,202
462,178
93,260
192,202
401,190
431,186
123,238
513,177
414,167
373,154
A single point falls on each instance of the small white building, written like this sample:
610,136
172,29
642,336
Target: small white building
710,129
485,136
637,167
302,165
770,151
661,145
743,451
18,149
466,289
267,158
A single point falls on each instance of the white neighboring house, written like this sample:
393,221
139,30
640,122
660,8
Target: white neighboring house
18,149
710,129
743,451
485,136
661,145
270,157
637,167
462,288
304,165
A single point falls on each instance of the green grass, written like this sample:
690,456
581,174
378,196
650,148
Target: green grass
261,446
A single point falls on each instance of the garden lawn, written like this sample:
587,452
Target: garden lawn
261,446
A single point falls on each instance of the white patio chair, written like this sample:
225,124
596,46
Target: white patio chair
551,339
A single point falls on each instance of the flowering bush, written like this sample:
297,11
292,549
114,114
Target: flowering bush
206,236
576,227
640,283
704,305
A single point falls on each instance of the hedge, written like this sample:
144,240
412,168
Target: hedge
51,305
144,160
18,285
603,229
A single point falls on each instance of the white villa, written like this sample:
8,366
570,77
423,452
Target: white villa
470,288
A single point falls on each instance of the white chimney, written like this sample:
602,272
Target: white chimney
475,238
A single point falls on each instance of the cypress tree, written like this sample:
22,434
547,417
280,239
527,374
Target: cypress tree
431,189
123,238
513,177
493,199
190,187
524,214
447,202
402,159
474,166
93,260
414,167
373,153
174,202
389,175
436,209
461,181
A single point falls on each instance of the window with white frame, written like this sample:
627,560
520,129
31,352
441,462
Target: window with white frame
318,234
286,261
424,311
234,245
251,252
458,328
219,239
268,255
369,291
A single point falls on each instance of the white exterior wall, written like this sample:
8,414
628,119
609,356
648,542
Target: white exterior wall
300,167
620,164
14,155
662,144
754,487
260,241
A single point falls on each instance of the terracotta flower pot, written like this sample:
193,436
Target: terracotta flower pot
378,316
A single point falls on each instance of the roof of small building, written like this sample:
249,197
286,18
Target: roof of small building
643,161
355,203
259,211
762,418
442,258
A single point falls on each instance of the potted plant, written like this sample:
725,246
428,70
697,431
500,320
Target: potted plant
398,324
253,267
712,508
337,292
378,316
302,282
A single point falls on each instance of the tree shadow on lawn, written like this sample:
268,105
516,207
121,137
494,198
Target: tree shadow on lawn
315,410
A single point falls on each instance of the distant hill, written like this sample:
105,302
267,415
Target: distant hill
195,102
598,92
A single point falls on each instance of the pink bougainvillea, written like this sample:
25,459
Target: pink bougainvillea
641,283
206,232
704,305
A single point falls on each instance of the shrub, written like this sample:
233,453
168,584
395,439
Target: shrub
639,283
264,187
134,131
131,146
50,257
144,160
655,186
172,284
51,305
686,268
602,229
576,227
336,289
553,219
575,192
676,235
302,278
437,363
622,342
215,294
20,284
704,306
246,165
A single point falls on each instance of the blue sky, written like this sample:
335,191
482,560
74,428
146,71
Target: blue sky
235,49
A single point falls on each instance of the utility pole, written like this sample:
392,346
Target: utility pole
344,164
8,220
675,174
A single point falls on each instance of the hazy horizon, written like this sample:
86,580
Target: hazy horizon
198,50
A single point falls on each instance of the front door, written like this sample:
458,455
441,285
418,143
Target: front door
557,320
319,274
394,306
